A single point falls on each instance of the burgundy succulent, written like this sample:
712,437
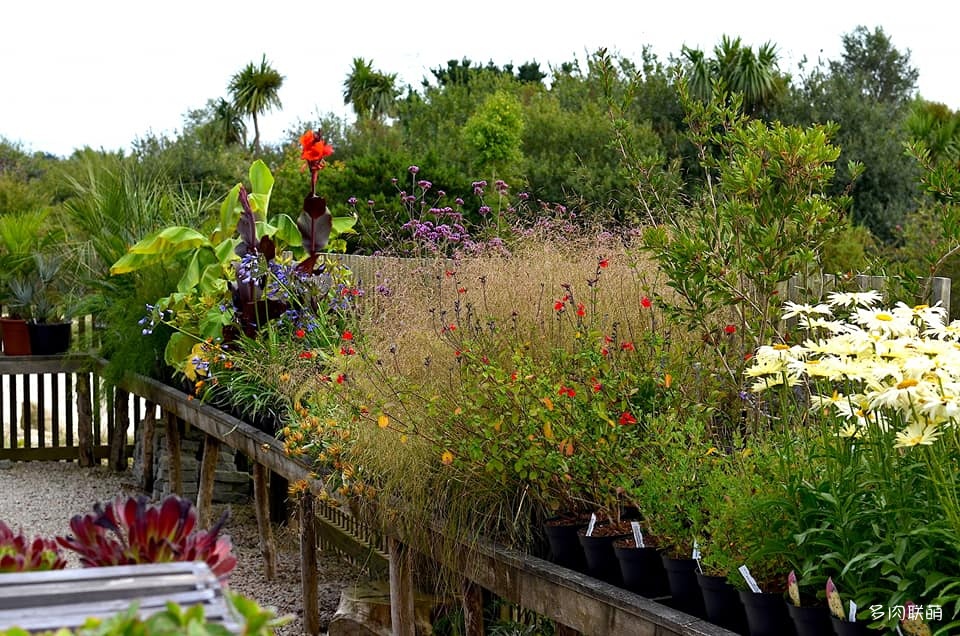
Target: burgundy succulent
131,530
19,554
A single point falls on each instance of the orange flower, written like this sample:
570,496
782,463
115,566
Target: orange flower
315,149
446,458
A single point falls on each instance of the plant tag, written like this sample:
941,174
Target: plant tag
637,534
852,616
695,555
592,524
751,582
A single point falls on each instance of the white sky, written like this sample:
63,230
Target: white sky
101,73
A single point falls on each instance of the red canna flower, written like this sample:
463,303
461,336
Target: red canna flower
315,149
730,330
645,302
626,418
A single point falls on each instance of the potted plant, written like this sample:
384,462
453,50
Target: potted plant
50,330
16,333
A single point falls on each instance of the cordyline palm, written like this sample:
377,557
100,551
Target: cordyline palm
255,90
738,69
227,123
371,93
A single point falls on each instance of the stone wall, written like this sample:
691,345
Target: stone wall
231,484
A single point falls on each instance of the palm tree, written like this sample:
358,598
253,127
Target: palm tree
739,69
255,91
371,93
226,123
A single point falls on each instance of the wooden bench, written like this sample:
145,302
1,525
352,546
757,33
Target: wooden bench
38,601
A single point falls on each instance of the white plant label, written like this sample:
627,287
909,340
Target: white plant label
696,550
591,525
637,534
852,616
751,582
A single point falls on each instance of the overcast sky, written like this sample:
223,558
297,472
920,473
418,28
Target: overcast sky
102,73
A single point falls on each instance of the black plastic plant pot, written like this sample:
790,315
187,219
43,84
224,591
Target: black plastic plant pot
601,560
721,603
642,571
766,614
813,620
846,628
47,339
565,549
684,589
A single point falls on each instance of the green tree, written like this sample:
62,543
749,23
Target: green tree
738,69
868,92
495,132
226,123
371,93
256,90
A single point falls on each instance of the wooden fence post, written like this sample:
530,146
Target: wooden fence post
472,609
308,565
175,474
208,475
121,422
261,503
401,589
84,420
147,441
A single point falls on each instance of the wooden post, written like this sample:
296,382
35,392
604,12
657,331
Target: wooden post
401,589
261,503
149,434
174,474
472,609
208,474
121,422
308,565
84,420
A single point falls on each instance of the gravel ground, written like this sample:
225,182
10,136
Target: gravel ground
40,497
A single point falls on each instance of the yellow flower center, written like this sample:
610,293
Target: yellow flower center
884,317
921,307
781,347
906,384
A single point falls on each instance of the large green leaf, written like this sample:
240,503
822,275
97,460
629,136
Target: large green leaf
158,247
200,260
229,214
177,350
261,181
344,225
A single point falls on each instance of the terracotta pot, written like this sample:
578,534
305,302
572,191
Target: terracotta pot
16,337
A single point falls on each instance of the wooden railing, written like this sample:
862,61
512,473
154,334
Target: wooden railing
579,604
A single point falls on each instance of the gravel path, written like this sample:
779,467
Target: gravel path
40,497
